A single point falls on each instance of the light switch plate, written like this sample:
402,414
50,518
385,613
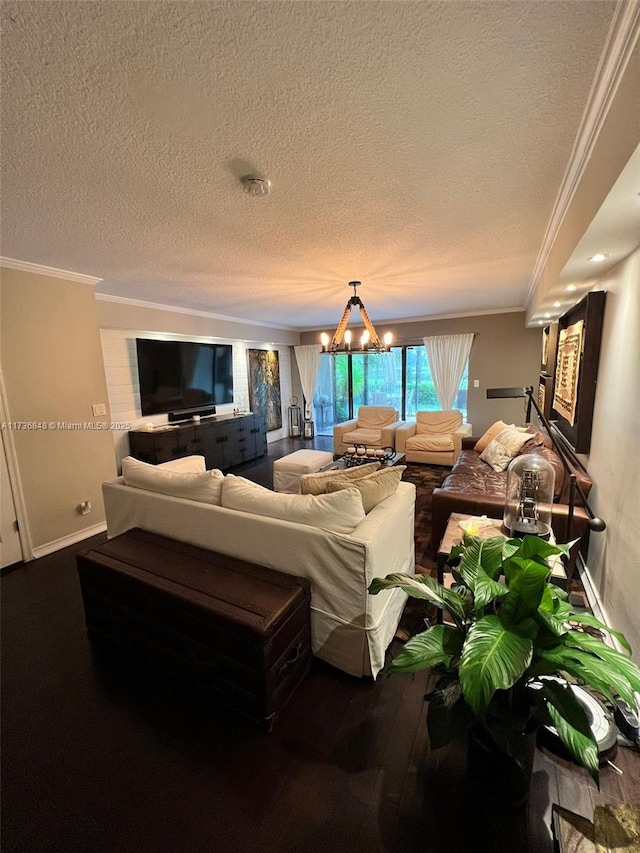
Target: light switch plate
476,383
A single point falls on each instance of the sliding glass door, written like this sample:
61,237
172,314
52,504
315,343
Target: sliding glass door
400,378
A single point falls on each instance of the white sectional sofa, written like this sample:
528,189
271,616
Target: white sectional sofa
350,628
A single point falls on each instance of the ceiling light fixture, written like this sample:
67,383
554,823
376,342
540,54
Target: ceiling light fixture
253,185
557,304
598,258
369,340
571,288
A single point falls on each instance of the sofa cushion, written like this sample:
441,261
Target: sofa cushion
341,512
318,484
193,464
504,447
485,440
370,437
202,486
376,417
373,488
556,463
538,438
438,422
431,441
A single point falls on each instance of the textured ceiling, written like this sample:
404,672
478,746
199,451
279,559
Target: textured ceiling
417,146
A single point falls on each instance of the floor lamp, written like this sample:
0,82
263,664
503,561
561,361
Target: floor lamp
596,524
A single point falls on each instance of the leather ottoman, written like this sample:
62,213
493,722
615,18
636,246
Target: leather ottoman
238,632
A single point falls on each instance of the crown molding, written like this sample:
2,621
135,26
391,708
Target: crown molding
40,269
621,40
175,309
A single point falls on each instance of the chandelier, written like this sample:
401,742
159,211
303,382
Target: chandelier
369,340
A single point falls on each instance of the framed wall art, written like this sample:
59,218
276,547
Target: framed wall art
576,369
264,386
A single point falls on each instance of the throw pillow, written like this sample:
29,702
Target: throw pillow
374,488
202,486
318,484
340,513
504,447
485,440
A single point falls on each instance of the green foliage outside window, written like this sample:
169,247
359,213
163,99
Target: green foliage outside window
377,381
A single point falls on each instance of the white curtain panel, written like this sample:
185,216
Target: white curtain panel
308,359
447,356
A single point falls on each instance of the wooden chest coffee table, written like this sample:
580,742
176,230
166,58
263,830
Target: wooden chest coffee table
238,632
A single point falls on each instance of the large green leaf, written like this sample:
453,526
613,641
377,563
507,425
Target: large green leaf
479,567
493,658
482,553
441,644
533,546
526,581
557,626
589,669
592,622
570,721
617,660
421,586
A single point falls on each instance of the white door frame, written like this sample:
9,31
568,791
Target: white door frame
15,483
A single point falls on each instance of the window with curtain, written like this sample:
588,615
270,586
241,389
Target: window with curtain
377,380
420,392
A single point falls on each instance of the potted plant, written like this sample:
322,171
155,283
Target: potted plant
494,665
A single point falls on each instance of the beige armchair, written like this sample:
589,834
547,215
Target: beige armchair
435,438
375,426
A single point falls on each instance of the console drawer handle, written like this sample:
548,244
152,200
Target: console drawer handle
296,657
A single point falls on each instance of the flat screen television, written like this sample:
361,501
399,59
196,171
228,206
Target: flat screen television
183,375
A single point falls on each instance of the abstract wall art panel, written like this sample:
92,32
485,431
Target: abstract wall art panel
264,386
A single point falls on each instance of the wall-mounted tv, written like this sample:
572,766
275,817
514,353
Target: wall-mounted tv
183,375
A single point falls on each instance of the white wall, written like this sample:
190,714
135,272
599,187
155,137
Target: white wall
120,363
613,562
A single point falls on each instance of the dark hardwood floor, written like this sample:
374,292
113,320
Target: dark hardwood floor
99,756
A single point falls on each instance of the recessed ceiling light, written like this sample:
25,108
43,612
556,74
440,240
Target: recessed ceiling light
540,322
547,315
598,258
557,304
571,287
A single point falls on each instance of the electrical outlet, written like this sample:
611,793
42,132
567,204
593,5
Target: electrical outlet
84,508
99,409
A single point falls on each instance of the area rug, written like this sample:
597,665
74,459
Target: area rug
425,478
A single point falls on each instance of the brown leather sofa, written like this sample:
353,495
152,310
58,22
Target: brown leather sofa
473,487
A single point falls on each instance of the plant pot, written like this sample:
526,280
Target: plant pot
496,775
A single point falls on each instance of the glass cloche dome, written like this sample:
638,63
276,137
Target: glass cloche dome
529,499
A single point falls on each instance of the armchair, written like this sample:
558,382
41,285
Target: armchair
374,426
435,438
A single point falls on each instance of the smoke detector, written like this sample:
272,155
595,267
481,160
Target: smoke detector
253,185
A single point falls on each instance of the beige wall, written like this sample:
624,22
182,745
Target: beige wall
504,354
53,373
613,562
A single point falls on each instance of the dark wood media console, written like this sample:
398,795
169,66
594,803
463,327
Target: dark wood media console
223,440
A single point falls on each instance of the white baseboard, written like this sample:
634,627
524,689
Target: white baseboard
595,602
71,539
